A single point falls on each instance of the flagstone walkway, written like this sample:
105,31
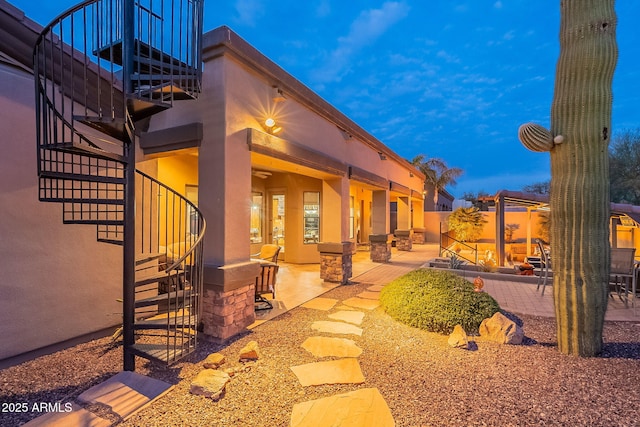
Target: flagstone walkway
364,407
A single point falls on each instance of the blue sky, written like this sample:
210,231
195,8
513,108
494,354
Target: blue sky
449,79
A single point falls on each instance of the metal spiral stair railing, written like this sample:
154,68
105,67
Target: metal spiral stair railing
100,67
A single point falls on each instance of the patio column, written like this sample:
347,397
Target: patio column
380,238
417,218
500,229
336,250
404,233
224,195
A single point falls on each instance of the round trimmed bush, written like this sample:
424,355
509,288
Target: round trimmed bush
437,301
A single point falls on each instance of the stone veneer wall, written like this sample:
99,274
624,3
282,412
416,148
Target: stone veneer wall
226,314
380,247
404,240
418,236
336,263
336,267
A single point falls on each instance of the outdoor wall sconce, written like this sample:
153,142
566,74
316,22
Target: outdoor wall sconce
382,155
271,127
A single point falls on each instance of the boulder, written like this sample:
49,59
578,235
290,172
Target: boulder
500,329
214,360
458,338
250,352
210,383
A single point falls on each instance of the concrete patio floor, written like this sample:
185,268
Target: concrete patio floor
517,294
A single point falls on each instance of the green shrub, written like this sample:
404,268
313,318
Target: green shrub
437,301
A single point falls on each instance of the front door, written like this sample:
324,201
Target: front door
277,220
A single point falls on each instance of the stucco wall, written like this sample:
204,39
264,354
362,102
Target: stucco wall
433,219
57,281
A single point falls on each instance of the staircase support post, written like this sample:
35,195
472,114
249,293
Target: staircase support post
129,256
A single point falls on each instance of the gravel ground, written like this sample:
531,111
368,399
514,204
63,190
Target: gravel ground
423,380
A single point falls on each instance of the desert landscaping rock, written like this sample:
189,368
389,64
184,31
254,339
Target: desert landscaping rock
328,327
498,328
214,360
369,295
210,383
250,352
340,371
328,346
324,304
350,316
366,304
364,407
458,338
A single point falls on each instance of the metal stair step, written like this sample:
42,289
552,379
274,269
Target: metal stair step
115,127
162,352
84,149
147,257
82,177
162,323
164,89
93,221
170,296
144,278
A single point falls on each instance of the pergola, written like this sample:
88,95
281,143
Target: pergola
621,214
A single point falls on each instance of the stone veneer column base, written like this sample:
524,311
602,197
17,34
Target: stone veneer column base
336,264
228,300
418,236
404,240
380,247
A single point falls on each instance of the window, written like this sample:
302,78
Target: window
256,217
352,219
311,202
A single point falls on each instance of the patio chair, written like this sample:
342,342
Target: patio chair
622,274
266,284
268,252
545,267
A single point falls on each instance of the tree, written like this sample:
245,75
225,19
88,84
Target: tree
437,173
467,224
475,199
538,188
624,170
578,143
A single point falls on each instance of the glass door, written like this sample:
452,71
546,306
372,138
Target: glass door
277,220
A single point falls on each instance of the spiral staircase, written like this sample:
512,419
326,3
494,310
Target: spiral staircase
100,68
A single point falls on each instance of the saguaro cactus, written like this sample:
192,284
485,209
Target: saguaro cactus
578,143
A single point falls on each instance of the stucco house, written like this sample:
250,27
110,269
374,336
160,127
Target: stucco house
265,160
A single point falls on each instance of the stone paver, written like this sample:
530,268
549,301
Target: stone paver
369,295
375,288
77,417
328,346
354,317
336,327
340,371
366,304
361,408
126,392
320,303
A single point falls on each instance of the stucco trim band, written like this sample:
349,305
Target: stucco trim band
282,149
175,138
366,177
229,277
